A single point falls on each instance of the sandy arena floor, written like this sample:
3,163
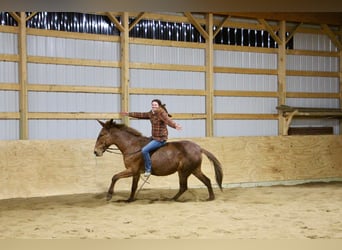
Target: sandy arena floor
280,212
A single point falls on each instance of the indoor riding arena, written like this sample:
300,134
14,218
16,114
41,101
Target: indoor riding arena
261,91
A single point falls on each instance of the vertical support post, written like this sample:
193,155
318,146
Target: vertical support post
23,110
340,79
124,35
282,76
209,76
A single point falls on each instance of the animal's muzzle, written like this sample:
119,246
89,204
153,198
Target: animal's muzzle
98,153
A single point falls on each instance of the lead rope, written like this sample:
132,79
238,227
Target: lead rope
112,150
141,186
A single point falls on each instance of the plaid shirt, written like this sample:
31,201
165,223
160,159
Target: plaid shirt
159,121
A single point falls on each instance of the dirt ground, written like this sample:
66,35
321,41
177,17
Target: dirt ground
279,212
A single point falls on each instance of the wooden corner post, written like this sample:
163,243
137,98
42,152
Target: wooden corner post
23,109
282,123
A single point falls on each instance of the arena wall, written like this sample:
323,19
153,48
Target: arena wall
37,168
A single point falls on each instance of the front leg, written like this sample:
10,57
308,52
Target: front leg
134,187
124,174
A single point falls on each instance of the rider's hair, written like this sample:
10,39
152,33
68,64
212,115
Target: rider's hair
163,106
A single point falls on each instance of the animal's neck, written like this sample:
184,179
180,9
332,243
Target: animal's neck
125,142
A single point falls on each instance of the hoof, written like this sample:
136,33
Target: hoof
109,197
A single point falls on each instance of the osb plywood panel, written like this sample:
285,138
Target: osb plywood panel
58,167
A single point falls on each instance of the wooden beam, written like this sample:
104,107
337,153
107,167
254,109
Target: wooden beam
72,89
30,16
219,116
237,93
293,32
71,116
282,73
340,78
220,26
115,21
156,91
333,18
331,35
175,67
136,20
125,66
72,61
209,76
16,17
23,102
270,30
311,73
197,25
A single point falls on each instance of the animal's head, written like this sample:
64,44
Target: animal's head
104,139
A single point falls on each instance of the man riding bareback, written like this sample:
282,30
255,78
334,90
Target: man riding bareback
160,119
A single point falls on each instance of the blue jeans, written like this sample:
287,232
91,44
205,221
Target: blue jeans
152,145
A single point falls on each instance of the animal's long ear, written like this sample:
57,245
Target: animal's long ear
102,123
110,121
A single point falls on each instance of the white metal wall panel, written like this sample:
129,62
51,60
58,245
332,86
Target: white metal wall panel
73,75
174,104
9,130
245,59
191,128
73,102
312,84
9,101
245,105
62,129
312,63
166,55
316,42
245,82
72,48
245,128
8,72
167,79
313,102
9,43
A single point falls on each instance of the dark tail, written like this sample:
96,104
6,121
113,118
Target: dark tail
217,166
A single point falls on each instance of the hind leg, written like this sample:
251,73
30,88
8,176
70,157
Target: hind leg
199,174
183,184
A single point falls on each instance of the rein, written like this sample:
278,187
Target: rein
112,150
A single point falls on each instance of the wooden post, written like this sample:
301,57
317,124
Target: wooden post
340,79
282,76
23,110
125,66
209,78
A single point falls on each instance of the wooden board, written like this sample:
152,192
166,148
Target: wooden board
59,167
